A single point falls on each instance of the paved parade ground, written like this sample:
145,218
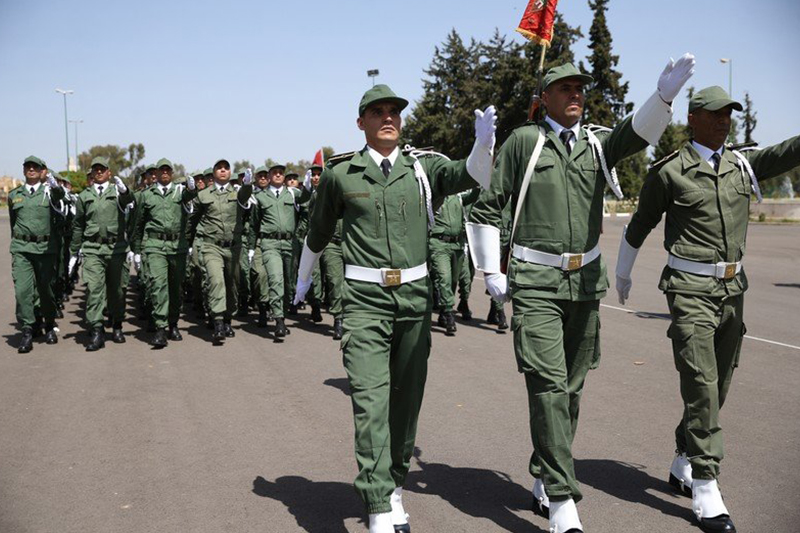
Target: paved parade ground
257,437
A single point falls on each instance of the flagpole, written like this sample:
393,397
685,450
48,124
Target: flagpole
534,112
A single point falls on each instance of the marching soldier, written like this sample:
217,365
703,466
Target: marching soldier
274,225
219,221
704,189
258,272
160,242
447,253
34,212
556,277
306,210
99,231
385,200
197,285
497,311
147,178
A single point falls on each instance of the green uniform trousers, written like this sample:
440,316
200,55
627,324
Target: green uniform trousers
33,275
278,258
706,335
334,277
165,274
222,269
316,284
387,364
104,275
465,276
259,283
556,342
445,262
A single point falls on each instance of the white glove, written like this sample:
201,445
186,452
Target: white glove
480,160
497,285
248,176
307,180
137,262
250,255
189,251
308,260
129,257
625,260
120,184
301,290
51,181
190,184
623,288
674,76
72,262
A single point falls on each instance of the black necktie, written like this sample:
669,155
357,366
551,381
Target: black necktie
99,190
386,167
33,191
277,193
165,190
566,136
715,159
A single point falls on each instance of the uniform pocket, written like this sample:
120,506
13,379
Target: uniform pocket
682,335
596,356
739,347
519,341
688,198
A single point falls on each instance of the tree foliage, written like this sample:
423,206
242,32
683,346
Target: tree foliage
749,119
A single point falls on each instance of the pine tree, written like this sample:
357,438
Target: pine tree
674,137
749,119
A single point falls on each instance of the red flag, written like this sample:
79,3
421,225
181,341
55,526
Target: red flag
319,159
537,22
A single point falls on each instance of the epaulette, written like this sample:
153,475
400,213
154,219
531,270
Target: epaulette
339,158
666,158
594,128
741,146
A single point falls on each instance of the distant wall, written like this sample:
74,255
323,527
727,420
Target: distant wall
777,209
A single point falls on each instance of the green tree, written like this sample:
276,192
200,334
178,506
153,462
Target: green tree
240,166
674,137
120,159
749,119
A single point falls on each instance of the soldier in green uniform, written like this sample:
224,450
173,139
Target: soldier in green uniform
160,241
259,280
147,178
198,278
219,219
34,210
311,181
554,173
446,250
704,189
386,201
274,224
99,231
64,231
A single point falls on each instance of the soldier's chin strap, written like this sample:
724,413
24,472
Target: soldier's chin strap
597,153
744,166
422,178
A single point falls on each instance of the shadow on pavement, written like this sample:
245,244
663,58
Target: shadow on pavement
317,506
339,383
630,482
790,285
475,492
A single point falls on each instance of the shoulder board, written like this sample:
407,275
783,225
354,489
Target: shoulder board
339,158
665,159
17,189
741,146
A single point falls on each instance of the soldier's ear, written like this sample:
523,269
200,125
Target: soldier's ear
360,123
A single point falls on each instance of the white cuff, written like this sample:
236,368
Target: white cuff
479,164
650,120
484,246
627,257
308,260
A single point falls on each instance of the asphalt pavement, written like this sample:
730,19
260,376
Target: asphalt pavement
257,437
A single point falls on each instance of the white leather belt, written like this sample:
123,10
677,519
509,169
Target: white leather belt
563,261
386,277
717,270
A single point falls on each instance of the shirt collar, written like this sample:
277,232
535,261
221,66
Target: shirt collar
705,152
222,187
161,187
275,189
35,187
104,186
378,158
558,128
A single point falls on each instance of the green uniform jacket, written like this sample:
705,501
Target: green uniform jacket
707,211
220,216
563,209
98,218
160,216
450,217
35,216
384,225
277,214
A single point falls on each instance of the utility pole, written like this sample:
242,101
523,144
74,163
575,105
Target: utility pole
65,92
76,122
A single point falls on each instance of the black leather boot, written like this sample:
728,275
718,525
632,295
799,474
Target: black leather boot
116,334
26,343
174,334
463,308
316,314
262,315
502,324
160,338
98,340
280,329
449,324
492,318
219,332
338,329
441,321
51,337
229,330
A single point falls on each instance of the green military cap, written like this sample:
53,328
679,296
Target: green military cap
277,165
262,168
377,94
293,175
197,174
712,98
35,160
221,161
208,172
164,162
567,70
64,178
99,160
241,173
315,167
150,167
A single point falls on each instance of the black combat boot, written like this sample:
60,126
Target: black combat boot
219,332
51,337
492,318
463,308
262,315
160,338
502,325
173,333
26,343
441,321
116,334
229,330
338,329
98,340
280,329
449,324
316,314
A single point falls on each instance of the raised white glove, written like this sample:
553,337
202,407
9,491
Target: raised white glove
248,176
674,76
72,262
189,251
479,162
137,262
250,255
120,184
625,260
301,290
308,260
129,257
190,184
51,181
307,180
497,285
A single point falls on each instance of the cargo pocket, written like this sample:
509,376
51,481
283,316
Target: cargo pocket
596,356
739,347
682,335
519,342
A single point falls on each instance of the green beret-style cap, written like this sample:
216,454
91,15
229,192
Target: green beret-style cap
208,172
64,178
99,160
164,162
277,165
377,94
567,70
197,174
35,160
713,98
293,176
262,168
218,161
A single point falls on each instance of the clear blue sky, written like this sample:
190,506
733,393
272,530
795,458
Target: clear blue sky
199,80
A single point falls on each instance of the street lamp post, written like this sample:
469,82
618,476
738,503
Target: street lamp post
729,61
65,92
76,122
373,74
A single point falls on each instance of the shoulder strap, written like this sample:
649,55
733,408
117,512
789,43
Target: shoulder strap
744,166
611,176
523,190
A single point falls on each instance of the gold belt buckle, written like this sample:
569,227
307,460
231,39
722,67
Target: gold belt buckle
575,262
391,277
730,270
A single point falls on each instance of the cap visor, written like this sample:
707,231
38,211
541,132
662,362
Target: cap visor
723,102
